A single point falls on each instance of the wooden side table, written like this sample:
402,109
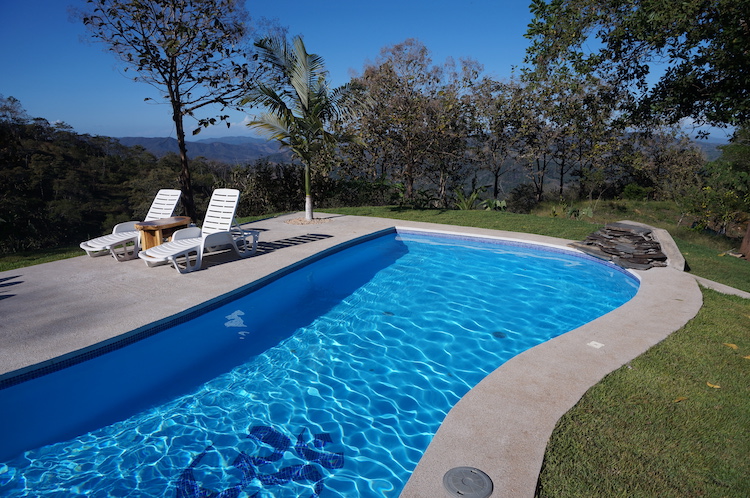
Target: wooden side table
155,232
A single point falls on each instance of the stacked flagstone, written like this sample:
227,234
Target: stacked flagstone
626,245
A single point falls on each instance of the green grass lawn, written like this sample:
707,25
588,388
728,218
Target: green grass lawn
675,421
30,258
495,220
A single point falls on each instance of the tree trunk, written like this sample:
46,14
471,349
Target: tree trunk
308,194
538,178
408,182
562,177
745,247
308,208
443,190
188,203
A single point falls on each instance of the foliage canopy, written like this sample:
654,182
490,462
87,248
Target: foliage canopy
679,61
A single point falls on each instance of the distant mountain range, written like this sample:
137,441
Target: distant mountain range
711,148
244,150
231,150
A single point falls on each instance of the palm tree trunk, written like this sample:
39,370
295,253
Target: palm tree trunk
308,208
308,194
745,247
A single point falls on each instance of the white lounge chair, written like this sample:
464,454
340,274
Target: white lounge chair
124,241
219,231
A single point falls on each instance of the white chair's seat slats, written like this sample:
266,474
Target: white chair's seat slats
176,247
102,243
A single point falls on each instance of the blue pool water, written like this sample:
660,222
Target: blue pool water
330,381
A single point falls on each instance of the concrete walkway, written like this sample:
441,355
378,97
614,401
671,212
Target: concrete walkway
55,310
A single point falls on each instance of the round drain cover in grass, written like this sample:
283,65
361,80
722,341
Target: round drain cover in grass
467,482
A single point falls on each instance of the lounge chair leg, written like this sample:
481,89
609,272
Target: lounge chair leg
189,265
123,252
241,245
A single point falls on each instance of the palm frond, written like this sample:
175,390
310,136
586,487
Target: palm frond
304,74
272,100
274,52
273,127
297,99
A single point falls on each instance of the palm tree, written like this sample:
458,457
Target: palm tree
299,103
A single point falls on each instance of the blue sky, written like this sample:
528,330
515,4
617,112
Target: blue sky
48,63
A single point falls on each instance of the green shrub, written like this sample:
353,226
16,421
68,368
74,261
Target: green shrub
635,192
522,199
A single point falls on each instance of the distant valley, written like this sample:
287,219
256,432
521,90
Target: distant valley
230,150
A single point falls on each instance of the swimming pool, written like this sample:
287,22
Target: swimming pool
332,379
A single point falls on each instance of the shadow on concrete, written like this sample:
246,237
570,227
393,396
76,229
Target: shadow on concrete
220,258
269,247
4,283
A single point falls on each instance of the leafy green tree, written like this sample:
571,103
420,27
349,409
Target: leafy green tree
667,162
418,127
725,196
534,140
737,152
451,114
698,51
190,50
300,104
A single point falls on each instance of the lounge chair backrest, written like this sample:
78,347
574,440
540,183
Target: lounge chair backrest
164,204
221,210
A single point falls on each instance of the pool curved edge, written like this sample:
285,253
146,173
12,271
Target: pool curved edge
503,424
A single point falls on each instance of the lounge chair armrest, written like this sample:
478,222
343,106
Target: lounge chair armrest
238,231
127,226
186,233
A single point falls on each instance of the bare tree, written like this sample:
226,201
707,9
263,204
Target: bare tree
190,50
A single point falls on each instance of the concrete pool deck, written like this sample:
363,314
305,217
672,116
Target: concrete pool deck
501,426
